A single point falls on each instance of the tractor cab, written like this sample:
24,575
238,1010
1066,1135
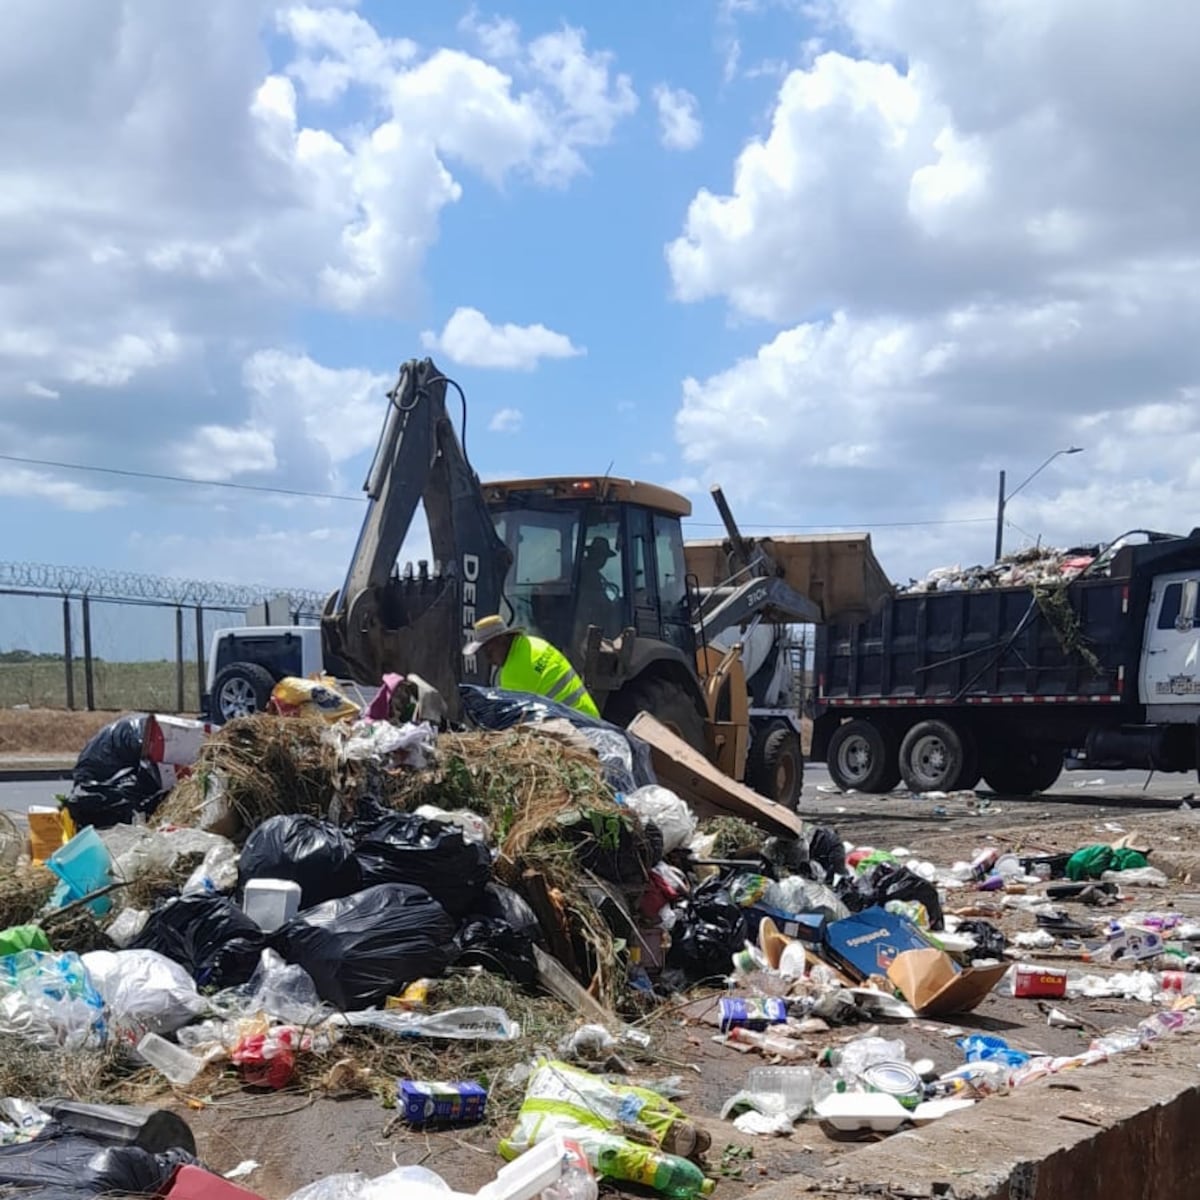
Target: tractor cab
594,551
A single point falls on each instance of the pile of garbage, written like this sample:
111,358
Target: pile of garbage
1038,566
502,923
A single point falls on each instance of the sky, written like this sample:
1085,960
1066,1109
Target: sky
847,258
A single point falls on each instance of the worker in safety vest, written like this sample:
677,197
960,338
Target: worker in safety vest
529,664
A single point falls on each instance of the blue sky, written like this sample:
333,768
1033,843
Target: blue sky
886,251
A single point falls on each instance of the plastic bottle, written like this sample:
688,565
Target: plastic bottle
768,1043
675,1178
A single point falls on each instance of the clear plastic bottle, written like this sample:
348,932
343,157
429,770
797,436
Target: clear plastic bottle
675,1178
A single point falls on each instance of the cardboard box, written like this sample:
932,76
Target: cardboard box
423,1102
935,986
867,943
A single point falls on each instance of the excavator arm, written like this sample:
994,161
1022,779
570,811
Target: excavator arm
416,622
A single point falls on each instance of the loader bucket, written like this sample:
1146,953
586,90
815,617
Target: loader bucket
838,572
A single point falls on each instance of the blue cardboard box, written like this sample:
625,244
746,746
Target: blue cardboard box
866,943
423,1102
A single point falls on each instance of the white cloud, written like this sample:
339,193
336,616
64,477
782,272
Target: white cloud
499,38
507,420
679,126
962,264
471,339
22,483
152,293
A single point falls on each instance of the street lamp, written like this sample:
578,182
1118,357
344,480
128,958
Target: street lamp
1004,499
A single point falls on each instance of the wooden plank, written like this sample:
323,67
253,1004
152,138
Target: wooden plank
694,779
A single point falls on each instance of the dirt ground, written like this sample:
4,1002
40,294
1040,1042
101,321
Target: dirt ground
38,732
296,1140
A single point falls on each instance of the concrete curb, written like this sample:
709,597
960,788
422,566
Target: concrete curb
34,774
1125,1128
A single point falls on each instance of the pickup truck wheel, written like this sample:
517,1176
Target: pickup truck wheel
1022,770
862,758
775,765
933,757
241,690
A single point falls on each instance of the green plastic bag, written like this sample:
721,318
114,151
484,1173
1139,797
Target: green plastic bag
1092,861
16,938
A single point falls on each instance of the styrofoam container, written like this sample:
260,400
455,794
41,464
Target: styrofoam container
270,903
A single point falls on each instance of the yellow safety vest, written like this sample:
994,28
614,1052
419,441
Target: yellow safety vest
533,665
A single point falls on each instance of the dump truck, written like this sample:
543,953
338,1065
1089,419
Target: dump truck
1012,684
596,565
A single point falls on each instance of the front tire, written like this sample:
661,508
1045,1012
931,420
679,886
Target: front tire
775,767
862,758
241,690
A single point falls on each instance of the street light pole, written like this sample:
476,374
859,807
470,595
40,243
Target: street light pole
1002,501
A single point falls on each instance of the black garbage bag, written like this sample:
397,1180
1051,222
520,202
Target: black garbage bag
827,849
989,940
434,855
503,904
111,782
315,854
495,945
887,881
363,948
709,929
616,847
61,1161
207,935
496,708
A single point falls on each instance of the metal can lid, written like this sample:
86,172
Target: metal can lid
894,1078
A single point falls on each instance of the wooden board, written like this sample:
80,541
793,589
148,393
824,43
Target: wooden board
694,779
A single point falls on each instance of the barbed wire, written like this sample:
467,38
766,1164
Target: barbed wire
166,589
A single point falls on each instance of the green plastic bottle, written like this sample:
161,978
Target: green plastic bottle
676,1178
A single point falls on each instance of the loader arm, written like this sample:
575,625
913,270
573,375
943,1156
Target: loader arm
416,622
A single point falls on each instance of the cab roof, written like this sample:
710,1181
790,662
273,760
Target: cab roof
588,487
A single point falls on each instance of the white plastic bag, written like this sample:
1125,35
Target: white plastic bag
413,1183
145,992
50,1000
1137,877
281,990
474,827
217,873
660,806
126,925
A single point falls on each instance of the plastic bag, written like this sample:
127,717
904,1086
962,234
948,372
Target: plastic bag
86,1167
216,874
294,697
797,895
406,848
282,991
111,780
660,806
413,1183
495,945
709,929
989,940
479,1024
16,938
825,847
495,708
1091,862
472,824
617,847
401,745
1137,877
887,881
126,925
207,935
509,906
144,992
50,1001
360,949
315,854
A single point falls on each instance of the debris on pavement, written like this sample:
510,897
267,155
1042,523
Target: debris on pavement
518,928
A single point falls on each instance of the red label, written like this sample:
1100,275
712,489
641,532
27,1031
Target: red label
1040,983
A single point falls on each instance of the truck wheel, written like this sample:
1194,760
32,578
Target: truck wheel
240,690
1021,771
933,757
972,769
862,758
663,700
775,766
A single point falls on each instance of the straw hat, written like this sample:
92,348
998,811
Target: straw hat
488,629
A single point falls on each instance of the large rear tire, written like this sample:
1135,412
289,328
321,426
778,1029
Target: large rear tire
862,757
1022,770
775,765
664,700
935,757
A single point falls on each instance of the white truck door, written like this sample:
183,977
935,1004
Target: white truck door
1170,668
